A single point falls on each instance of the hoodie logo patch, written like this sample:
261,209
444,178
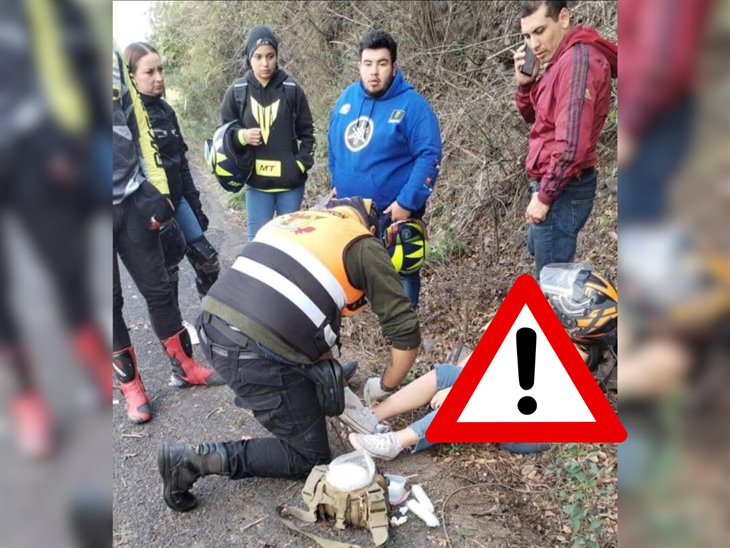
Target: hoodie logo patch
358,133
344,109
264,117
396,116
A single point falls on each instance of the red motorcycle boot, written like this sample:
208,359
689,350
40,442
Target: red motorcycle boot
124,363
33,424
185,370
93,353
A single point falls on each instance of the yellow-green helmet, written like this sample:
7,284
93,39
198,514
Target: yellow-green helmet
407,245
231,165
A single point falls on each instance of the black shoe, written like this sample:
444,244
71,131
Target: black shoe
181,465
348,370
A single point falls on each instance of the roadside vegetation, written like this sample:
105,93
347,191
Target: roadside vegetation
458,54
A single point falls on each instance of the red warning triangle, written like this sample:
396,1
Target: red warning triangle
482,406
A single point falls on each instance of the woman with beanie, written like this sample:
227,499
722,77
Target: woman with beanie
276,122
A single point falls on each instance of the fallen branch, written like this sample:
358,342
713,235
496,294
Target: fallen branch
214,411
254,523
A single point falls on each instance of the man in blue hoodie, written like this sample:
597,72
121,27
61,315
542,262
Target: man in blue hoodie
384,141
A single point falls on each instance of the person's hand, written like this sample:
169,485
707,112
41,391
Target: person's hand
373,392
202,218
252,136
61,169
164,211
439,398
397,213
519,58
536,211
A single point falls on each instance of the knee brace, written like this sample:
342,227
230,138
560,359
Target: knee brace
204,259
173,243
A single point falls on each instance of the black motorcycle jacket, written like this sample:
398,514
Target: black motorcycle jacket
282,113
172,147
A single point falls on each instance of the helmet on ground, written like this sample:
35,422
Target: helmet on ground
407,245
231,164
585,302
173,243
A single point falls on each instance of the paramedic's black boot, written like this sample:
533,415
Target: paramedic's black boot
348,370
181,465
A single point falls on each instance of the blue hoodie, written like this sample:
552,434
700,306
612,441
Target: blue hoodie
393,153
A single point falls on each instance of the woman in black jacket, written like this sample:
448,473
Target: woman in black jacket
274,113
146,68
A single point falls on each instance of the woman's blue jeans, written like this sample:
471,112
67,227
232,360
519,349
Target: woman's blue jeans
188,222
446,375
261,206
411,282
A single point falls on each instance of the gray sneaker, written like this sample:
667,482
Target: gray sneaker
378,446
357,416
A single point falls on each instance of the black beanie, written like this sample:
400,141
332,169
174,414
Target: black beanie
259,36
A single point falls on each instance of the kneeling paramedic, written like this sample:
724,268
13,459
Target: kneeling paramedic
268,326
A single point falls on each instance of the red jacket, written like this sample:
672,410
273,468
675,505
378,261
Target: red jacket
657,70
568,106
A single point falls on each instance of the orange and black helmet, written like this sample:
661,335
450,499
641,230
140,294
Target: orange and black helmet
585,302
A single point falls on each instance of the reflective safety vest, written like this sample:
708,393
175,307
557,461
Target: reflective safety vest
291,278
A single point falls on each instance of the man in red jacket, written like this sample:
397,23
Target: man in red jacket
566,99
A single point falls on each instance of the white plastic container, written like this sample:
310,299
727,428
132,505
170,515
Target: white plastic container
351,471
397,492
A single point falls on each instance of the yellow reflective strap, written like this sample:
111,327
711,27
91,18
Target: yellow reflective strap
52,66
147,144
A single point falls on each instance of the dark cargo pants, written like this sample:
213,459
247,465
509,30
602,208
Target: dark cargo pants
282,401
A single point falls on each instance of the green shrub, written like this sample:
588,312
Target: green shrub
447,248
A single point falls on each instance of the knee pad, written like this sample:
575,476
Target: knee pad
173,243
203,256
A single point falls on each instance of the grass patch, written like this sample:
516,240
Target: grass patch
447,248
580,474
237,201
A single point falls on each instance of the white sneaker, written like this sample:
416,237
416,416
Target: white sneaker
357,416
378,446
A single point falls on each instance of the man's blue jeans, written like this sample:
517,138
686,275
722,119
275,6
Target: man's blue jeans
645,184
261,206
412,282
554,240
